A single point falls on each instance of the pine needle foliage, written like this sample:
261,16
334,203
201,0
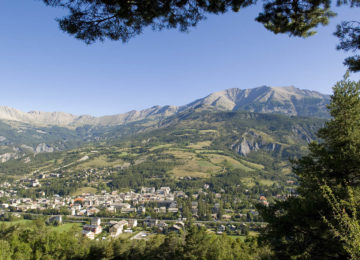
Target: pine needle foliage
297,229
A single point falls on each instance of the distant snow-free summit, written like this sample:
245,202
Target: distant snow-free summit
279,100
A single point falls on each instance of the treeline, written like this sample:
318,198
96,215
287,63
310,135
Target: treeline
38,241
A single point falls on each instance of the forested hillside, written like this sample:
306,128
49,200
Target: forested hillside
34,132
191,146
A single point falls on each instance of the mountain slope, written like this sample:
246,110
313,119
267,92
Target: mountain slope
199,144
36,132
279,100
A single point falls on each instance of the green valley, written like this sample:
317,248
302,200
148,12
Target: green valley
187,150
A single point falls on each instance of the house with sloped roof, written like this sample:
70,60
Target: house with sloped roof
97,229
118,228
88,234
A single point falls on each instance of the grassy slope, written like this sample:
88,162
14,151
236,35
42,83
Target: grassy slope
199,144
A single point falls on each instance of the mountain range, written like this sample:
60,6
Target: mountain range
279,100
24,133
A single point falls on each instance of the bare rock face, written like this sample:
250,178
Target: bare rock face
69,120
37,117
7,156
27,147
251,141
44,148
279,100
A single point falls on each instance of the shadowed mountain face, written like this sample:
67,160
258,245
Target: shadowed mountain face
279,100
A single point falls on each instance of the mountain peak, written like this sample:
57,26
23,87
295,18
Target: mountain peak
264,99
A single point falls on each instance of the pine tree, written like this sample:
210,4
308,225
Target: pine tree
347,222
296,226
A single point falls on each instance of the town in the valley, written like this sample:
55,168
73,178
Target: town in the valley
109,214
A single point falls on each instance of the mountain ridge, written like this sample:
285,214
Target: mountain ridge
279,100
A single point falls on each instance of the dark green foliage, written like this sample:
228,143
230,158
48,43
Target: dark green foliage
97,20
296,230
297,18
37,241
149,173
61,187
121,20
296,227
349,35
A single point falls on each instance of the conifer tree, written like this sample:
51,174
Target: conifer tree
296,226
347,222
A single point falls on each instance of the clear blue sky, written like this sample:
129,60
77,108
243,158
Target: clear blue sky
42,68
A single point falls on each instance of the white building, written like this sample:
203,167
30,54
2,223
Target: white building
117,229
93,228
96,221
89,234
132,223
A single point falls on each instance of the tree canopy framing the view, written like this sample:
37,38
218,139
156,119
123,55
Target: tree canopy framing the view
92,21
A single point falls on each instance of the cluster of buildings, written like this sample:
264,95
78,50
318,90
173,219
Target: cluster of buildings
90,204
128,202
6,190
25,204
116,228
